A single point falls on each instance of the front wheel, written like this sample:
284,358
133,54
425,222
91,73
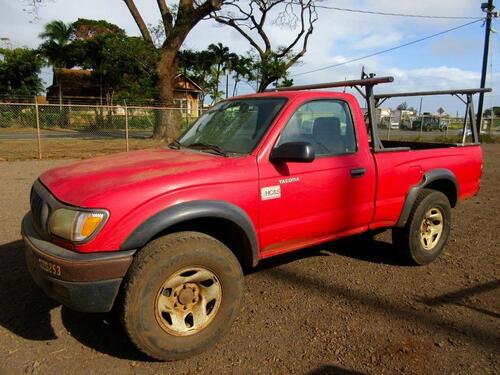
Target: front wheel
426,232
181,296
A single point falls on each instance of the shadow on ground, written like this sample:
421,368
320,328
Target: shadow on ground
26,311
361,247
333,370
424,318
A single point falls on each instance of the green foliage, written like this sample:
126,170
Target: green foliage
57,31
56,47
494,110
270,67
123,66
223,60
197,65
19,69
403,106
14,116
84,29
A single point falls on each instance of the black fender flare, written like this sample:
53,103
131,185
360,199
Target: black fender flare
428,178
182,212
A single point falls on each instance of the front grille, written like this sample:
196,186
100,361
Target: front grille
40,211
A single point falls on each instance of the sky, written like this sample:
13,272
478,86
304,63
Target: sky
452,60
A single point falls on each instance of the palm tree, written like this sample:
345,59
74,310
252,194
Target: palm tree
57,37
55,49
222,60
242,68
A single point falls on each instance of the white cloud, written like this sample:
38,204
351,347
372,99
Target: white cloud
379,40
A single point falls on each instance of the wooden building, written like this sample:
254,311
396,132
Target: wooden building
76,86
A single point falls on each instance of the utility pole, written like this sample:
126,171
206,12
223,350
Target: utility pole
488,8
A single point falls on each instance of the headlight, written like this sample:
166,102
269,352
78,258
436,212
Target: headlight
76,226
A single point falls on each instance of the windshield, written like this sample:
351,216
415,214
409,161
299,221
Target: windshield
233,126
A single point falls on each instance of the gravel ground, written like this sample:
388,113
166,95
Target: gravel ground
347,307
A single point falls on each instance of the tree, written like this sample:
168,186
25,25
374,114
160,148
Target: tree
242,68
56,47
223,60
249,19
286,82
197,65
85,29
402,107
121,65
177,21
19,70
440,110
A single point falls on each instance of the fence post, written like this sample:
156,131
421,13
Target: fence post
126,123
492,121
37,117
389,127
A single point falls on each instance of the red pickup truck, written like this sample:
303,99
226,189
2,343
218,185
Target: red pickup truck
164,234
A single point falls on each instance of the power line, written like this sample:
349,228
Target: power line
396,14
386,50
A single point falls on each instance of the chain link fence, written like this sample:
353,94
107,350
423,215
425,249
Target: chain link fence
431,129
41,131
32,130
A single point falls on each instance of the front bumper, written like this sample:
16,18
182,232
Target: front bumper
82,282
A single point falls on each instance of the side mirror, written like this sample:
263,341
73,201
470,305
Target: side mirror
300,152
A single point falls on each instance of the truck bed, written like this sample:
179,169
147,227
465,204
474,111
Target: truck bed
406,164
416,145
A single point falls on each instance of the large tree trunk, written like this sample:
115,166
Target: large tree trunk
168,121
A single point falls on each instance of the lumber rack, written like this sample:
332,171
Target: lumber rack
364,87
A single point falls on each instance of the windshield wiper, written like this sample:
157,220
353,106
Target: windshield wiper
175,144
208,146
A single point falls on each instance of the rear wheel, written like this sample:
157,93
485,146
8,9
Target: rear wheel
426,232
182,294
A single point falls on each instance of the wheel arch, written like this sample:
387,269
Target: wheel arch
439,179
222,220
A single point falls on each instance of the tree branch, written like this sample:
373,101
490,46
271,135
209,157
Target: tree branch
312,17
238,28
166,17
139,21
304,48
207,7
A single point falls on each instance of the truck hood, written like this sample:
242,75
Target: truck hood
77,183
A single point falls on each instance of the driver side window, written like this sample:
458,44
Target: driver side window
325,124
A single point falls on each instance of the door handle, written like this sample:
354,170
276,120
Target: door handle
357,172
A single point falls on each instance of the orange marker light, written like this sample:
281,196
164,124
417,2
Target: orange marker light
90,224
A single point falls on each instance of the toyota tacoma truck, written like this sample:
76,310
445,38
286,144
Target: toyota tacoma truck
162,235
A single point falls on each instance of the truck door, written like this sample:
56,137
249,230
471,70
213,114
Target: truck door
305,203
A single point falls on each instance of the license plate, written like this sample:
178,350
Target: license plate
49,267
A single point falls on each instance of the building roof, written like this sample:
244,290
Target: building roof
183,82
73,83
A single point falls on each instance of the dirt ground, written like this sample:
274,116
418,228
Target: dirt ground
348,307
67,148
